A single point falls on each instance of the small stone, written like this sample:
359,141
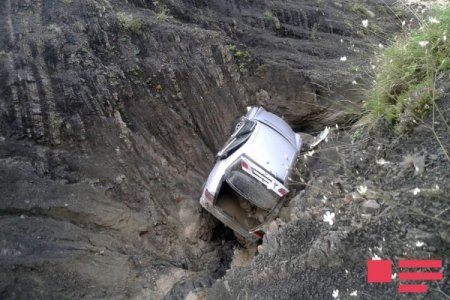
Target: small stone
371,205
277,23
370,13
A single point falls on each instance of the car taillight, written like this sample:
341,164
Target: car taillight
282,191
245,165
259,233
208,196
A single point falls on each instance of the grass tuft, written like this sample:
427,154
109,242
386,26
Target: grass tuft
128,22
268,14
405,83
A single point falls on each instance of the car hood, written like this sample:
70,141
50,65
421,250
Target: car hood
271,151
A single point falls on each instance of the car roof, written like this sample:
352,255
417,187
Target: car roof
275,123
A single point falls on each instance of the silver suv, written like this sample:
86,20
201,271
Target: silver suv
248,184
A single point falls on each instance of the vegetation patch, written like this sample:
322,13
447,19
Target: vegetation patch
268,14
243,58
405,84
359,8
128,22
163,14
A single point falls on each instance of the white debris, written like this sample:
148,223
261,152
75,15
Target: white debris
343,58
375,257
322,136
354,82
362,189
419,244
381,162
416,191
335,293
423,44
433,20
365,23
354,293
393,276
380,45
310,153
328,218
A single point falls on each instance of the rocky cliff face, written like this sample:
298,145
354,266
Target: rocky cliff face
111,113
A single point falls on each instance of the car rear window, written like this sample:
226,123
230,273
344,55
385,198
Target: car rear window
238,138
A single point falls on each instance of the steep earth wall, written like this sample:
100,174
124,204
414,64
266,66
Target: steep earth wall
111,113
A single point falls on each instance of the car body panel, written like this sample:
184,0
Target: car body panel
268,155
274,122
269,150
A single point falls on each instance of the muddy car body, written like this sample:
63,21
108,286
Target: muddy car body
248,184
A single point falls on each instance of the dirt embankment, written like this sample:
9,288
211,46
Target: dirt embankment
110,115
368,194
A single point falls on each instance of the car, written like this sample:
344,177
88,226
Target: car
249,183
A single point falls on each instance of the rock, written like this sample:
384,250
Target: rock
429,238
445,235
371,206
277,23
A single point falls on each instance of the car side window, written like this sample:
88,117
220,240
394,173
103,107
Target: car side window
238,138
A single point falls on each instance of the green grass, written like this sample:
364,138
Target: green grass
359,8
405,83
243,58
163,14
267,14
129,22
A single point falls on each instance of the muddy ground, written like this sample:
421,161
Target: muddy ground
111,113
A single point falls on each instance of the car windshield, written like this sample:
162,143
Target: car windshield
238,138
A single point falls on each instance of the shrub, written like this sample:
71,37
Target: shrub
128,22
163,14
267,14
